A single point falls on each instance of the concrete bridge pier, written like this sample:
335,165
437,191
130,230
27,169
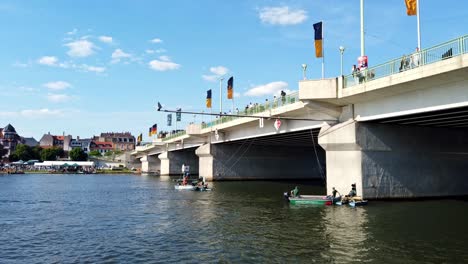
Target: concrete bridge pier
171,162
150,164
396,161
247,161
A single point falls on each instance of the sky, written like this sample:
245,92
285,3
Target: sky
86,67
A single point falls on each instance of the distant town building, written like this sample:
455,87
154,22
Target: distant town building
9,139
31,142
49,141
102,147
121,141
83,143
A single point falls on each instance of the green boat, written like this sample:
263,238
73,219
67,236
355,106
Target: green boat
313,199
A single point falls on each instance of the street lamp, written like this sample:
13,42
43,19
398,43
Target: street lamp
341,52
304,67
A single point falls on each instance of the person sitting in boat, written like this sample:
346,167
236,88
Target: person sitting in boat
185,179
334,192
295,192
353,192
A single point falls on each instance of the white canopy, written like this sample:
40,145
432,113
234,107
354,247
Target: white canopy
61,163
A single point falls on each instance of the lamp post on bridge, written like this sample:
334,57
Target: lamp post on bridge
304,67
342,49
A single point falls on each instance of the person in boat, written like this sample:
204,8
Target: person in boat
334,192
183,169
295,192
185,180
353,192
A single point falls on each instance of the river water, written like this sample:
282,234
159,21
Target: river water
138,219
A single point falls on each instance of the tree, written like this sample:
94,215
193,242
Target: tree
36,152
95,153
51,153
22,152
78,154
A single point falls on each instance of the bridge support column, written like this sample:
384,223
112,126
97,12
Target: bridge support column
247,161
150,164
171,162
394,161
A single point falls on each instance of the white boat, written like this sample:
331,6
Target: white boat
185,187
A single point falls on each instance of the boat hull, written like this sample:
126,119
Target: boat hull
313,199
185,187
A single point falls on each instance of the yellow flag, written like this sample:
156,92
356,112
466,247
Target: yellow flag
411,7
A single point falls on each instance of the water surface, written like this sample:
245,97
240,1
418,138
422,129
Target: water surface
137,219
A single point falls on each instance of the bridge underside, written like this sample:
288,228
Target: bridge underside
418,155
294,155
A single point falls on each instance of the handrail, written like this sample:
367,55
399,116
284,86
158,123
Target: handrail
426,56
257,108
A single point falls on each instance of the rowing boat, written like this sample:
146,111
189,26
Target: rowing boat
313,199
185,187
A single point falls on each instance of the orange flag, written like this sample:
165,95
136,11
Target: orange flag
411,7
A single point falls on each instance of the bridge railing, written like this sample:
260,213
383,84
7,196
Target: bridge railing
174,135
255,109
434,54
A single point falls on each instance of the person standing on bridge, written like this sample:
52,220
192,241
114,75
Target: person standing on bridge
415,58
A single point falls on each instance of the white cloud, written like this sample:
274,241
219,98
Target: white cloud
80,48
165,58
282,15
273,88
95,69
22,64
28,89
48,60
156,40
218,71
150,51
58,98
163,65
56,86
119,54
105,39
40,112
33,113
160,50
210,78
73,32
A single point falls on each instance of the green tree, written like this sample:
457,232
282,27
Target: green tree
22,152
36,152
95,153
78,154
51,153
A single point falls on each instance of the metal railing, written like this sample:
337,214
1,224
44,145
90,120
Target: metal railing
174,135
434,54
276,102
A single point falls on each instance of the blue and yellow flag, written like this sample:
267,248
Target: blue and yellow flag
318,40
150,133
208,98
230,87
411,6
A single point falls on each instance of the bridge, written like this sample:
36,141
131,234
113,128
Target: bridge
397,130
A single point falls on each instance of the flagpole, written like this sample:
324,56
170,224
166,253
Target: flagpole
419,28
362,28
221,95
323,53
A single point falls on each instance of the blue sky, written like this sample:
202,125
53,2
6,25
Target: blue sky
85,67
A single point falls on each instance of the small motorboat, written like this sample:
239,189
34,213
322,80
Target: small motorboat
357,203
185,187
202,189
312,199
352,201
